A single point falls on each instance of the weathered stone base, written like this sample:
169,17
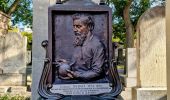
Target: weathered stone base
126,94
150,94
12,79
14,90
130,82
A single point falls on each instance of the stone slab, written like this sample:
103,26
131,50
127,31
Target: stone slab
3,89
150,94
1,50
151,48
131,57
131,82
126,94
96,1
14,90
168,47
18,89
14,54
12,79
40,30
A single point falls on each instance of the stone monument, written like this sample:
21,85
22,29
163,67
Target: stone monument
40,24
92,70
13,62
151,55
168,47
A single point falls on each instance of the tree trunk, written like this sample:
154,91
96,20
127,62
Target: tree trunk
128,25
13,7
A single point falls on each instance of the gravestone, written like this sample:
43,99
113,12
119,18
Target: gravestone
151,54
3,30
13,61
168,46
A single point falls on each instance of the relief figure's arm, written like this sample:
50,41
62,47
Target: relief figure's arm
96,66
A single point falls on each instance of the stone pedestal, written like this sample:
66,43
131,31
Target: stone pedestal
130,80
12,79
150,94
40,30
130,77
14,90
126,94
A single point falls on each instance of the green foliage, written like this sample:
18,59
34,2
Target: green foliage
120,66
16,97
23,13
29,39
138,7
4,5
119,31
13,29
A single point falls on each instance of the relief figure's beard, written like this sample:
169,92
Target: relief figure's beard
79,39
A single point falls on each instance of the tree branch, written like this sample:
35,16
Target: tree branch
13,7
128,25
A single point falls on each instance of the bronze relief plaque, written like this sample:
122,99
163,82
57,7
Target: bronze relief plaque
79,54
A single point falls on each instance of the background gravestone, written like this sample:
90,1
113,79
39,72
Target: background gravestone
168,46
13,61
3,30
151,54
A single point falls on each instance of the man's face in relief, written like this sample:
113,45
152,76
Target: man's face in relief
81,30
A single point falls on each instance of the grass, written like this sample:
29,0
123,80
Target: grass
120,66
16,97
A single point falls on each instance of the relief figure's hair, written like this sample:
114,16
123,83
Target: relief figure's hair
87,19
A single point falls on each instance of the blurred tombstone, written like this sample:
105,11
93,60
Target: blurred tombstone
168,46
13,62
151,55
3,30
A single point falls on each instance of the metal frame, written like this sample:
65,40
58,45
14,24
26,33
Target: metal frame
46,80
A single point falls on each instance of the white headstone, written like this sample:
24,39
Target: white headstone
152,48
151,56
168,46
13,61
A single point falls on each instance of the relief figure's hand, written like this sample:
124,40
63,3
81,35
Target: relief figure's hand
73,74
62,70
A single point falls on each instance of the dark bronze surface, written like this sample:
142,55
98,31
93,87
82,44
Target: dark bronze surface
102,2
58,2
60,45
